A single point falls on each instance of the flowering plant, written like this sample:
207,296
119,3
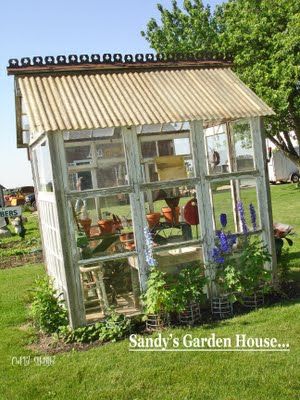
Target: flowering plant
243,271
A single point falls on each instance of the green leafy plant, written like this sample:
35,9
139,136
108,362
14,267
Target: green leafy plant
114,327
159,296
47,309
189,287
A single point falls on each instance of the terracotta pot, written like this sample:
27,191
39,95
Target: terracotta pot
86,224
153,219
171,215
124,237
106,225
129,246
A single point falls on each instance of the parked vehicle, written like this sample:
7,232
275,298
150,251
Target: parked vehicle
281,168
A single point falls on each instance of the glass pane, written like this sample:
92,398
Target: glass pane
173,261
223,204
110,285
243,146
104,159
217,150
43,165
104,225
172,215
166,159
248,195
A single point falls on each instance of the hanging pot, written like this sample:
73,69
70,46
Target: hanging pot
153,219
171,215
86,224
106,226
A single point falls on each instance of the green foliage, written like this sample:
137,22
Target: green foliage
243,272
189,287
261,36
113,328
167,293
47,308
159,296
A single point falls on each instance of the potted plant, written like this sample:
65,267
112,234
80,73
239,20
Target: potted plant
189,294
153,219
158,300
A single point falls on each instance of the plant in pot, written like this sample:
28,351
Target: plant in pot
127,238
253,278
106,224
158,300
189,294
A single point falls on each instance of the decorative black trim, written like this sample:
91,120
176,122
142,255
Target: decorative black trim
108,58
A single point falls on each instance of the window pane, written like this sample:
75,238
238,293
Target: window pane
172,215
248,195
223,204
102,161
173,261
104,225
112,284
166,159
217,150
243,146
43,165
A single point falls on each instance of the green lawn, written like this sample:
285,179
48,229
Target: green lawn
112,372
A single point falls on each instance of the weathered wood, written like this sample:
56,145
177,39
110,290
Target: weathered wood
203,193
234,184
232,175
74,295
263,189
137,200
118,256
85,194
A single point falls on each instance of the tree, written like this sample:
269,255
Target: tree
262,37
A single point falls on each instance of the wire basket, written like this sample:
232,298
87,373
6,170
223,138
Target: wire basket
221,307
191,315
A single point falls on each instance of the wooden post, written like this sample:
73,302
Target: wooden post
137,200
263,189
203,194
74,293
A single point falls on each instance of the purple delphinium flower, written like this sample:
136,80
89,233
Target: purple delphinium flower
223,220
241,211
217,256
224,245
253,216
149,248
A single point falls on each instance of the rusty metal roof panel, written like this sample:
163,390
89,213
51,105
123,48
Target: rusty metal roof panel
81,101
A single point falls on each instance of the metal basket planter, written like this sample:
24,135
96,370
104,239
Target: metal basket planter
156,322
254,301
191,315
221,307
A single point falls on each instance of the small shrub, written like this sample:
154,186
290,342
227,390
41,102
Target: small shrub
47,309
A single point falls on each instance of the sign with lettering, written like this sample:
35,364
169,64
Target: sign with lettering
10,212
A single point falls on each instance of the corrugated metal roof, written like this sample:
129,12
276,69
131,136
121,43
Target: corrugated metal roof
63,102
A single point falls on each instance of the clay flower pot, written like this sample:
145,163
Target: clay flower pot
153,219
171,215
106,225
125,237
86,224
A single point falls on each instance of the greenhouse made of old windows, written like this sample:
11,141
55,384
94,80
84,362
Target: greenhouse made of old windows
123,144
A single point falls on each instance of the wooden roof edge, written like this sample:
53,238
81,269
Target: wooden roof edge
59,64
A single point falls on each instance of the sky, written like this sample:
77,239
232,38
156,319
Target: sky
37,28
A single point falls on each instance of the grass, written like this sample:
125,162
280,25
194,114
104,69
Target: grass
14,245
112,372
